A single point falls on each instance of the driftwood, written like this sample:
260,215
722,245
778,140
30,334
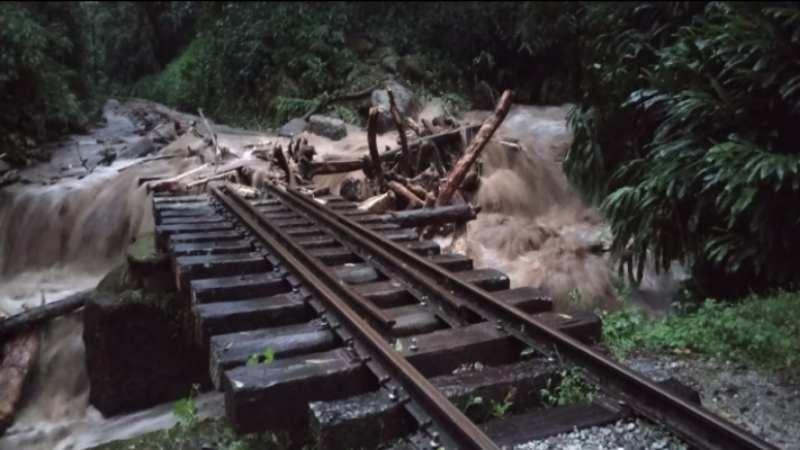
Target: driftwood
34,316
405,163
413,200
438,138
211,178
213,136
433,216
375,159
473,151
329,167
172,183
18,358
320,168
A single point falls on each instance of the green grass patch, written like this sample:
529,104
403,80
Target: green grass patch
759,331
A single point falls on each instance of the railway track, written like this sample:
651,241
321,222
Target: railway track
376,334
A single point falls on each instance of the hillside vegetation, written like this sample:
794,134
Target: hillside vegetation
684,116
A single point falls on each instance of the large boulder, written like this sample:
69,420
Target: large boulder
403,97
138,353
293,127
329,127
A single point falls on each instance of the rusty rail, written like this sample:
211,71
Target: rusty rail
696,425
429,406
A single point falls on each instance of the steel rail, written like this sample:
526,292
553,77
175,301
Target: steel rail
694,424
458,428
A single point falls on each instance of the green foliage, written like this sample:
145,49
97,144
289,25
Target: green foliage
692,144
185,409
759,331
500,409
42,86
264,358
573,389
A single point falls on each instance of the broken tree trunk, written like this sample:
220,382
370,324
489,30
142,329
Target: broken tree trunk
372,141
283,163
398,122
473,151
18,358
413,200
22,321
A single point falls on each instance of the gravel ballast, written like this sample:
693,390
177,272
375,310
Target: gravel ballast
761,403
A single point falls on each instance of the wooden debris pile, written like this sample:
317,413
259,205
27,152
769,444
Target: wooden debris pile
433,165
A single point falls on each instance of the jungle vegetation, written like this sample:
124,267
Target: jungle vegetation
684,113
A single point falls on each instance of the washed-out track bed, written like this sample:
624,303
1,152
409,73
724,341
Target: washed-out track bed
380,339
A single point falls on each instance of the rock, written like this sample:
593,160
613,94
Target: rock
329,127
107,156
404,99
138,149
4,167
134,326
352,189
293,127
164,133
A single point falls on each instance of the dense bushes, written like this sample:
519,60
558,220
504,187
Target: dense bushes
695,150
42,85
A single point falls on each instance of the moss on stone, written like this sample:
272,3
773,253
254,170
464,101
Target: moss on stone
143,249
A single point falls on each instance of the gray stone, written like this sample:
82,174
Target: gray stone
293,127
4,166
138,149
329,127
404,99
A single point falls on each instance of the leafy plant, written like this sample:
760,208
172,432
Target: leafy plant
264,358
185,409
689,144
499,409
760,331
572,389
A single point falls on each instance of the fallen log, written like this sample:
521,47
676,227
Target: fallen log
170,183
34,316
329,167
433,216
439,138
473,151
211,178
413,200
405,163
18,358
